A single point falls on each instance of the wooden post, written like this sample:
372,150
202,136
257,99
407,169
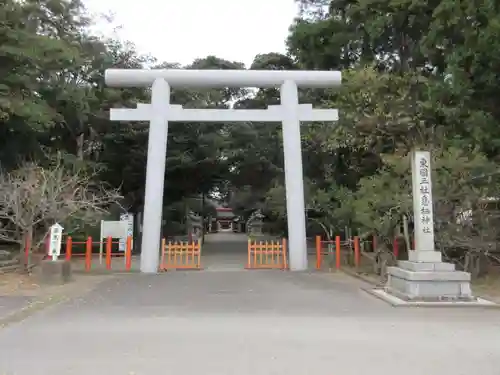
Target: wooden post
162,261
47,244
249,253
69,248
337,252
109,244
128,254
318,252
198,251
88,254
395,247
285,257
357,254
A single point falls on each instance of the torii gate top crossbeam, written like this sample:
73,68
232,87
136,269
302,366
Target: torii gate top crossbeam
222,78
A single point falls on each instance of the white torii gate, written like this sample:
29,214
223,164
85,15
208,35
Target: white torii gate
160,112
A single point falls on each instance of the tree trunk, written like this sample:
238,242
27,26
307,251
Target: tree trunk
406,233
80,140
26,249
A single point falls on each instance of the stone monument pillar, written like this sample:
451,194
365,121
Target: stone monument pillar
424,277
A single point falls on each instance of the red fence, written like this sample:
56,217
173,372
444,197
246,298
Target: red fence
109,254
334,248
320,251
180,255
267,255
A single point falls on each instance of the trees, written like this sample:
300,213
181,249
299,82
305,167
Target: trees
33,197
419,75
53,101
28,57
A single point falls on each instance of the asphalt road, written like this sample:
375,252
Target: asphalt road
248,322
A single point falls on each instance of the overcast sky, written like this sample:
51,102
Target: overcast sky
182,30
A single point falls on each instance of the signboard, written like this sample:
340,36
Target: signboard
129,219
56,231
113,229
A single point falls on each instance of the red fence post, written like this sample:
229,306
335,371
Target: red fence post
357,255
47,244
128,254
69,248
109,244
337,252
285,254
318,252
88,254
395,247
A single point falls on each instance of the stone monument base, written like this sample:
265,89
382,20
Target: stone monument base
428,282
55,272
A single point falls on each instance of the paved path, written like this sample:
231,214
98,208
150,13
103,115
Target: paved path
248,322
228,251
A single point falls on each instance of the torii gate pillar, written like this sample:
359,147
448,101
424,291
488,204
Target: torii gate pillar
160,112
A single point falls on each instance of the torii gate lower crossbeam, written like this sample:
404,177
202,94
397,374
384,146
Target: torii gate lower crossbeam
160,112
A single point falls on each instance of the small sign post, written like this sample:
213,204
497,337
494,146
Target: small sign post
55,241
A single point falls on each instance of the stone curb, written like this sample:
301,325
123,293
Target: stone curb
430,305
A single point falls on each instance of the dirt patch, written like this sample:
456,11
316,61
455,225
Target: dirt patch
21,295
364,275
17,284
487,287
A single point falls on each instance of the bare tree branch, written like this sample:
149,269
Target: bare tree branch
32,198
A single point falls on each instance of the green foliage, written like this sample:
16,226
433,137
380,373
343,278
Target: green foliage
417,75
